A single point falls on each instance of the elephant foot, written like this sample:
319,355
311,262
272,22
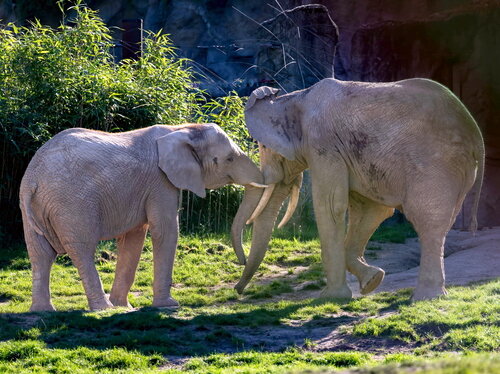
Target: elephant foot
342,292
100,305
169,302
240,287
428,293
42,307
120,302
371,279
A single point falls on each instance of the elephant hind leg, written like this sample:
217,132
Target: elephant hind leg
129,252
364,217
82,255
432,216
42,256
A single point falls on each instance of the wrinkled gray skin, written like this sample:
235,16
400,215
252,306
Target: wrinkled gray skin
83,186
370,148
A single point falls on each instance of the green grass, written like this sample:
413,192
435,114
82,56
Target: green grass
258,362
397,233
448,364
34,356
467,319
267,330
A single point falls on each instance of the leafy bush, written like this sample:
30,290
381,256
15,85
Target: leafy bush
53,79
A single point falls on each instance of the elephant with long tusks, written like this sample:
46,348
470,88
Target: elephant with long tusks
370,148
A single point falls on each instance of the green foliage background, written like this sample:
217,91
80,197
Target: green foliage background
53,79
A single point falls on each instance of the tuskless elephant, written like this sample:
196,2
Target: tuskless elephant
370,148
83,186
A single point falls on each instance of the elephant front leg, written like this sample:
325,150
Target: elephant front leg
164,237
129,252
330,206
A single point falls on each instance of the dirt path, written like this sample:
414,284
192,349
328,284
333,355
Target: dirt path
468,258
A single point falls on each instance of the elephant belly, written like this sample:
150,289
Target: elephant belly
380,191
381,198
118,228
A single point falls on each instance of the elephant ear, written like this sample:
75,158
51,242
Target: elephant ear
177,158
274,124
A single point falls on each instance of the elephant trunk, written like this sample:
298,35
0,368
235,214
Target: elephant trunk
248,204
245,173
262,230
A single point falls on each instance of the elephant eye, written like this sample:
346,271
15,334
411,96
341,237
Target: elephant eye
230,159
215,160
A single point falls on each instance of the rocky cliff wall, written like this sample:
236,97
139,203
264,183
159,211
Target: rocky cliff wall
454,42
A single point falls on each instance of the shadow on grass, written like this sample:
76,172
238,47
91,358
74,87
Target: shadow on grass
150,330
14,258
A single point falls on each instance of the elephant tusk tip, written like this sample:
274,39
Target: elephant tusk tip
292,205
259,185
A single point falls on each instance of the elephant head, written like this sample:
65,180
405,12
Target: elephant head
196,157
276,124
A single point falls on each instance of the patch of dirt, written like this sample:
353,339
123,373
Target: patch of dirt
327,334
468,258
174,362
374,345
276,271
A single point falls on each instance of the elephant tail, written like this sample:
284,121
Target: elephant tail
25,202
480,156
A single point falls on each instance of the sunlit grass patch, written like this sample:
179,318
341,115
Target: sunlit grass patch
33,356
465,319
442,364
259,362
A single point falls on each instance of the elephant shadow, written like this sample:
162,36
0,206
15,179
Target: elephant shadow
187,332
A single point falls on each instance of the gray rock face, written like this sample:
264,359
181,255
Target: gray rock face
297,47
239,45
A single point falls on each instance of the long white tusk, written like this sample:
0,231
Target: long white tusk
258,185
262,203
292,205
